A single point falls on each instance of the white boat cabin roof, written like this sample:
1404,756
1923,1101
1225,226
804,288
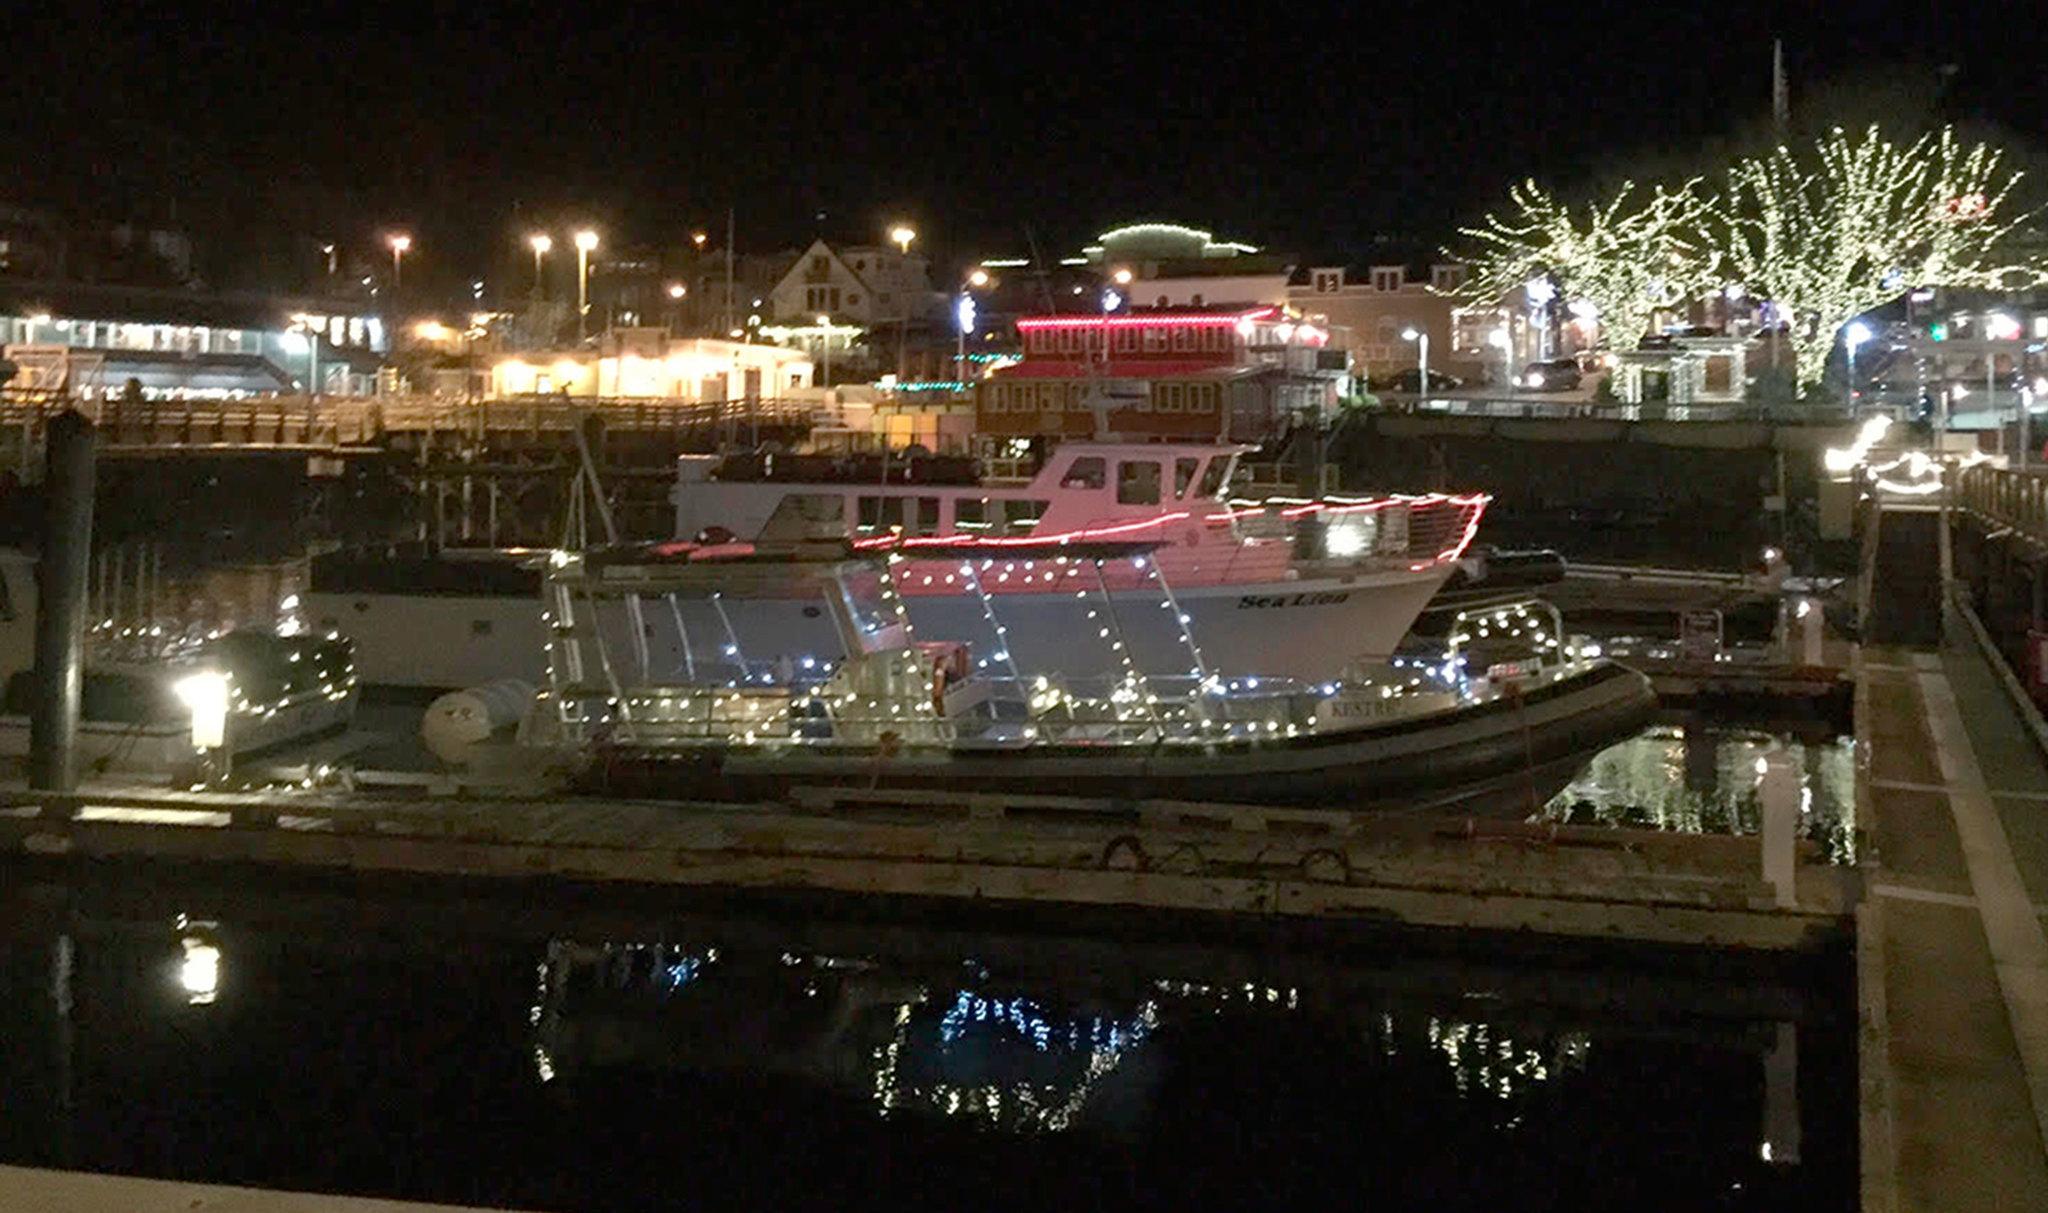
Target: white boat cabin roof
1079,484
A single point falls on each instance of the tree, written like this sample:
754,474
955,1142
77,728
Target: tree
1630,257
1829,232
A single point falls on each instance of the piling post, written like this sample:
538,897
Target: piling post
60,604
1778,797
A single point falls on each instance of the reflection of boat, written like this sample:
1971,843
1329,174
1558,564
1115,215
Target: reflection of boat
902,713
1283,586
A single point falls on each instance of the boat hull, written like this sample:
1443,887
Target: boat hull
1508,754
1302,628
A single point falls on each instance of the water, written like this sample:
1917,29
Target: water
611,1050
1699,776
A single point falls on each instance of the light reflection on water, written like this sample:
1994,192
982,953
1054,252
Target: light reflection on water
449,1052
1700,778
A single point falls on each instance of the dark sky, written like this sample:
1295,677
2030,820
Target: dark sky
1283,124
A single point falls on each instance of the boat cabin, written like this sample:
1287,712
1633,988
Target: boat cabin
1079,485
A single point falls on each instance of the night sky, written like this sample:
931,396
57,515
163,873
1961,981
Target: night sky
1278,124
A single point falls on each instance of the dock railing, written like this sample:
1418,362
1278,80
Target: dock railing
2005,497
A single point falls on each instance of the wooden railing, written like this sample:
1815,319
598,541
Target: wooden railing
339,422
2006,497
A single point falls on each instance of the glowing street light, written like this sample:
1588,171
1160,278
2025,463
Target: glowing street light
306,328
824,322
542,244
901,235
1856,334
586,243
401,244
1421,340
978,278
677,290
698,239
1122,277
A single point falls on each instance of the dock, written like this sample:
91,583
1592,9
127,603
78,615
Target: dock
1952,963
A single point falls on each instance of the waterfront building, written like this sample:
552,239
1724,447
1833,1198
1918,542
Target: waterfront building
1240,374
94,339
647,364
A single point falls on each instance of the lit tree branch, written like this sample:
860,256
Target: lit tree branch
1830,232
1630,258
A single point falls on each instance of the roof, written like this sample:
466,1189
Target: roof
153,305
1214,313
1124,368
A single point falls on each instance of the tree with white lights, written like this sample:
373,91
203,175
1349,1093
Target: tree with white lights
1829,232
1629,258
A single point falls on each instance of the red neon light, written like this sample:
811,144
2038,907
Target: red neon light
977,541
1139,321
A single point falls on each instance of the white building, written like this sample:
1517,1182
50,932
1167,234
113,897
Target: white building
861,286
647,364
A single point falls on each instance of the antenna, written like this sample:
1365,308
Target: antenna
1781,96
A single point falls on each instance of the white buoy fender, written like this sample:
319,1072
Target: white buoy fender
461,720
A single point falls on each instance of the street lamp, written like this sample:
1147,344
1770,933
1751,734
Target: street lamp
825,322
902,234
307,329
1856,334
401,244
963,314
1501,340
1421,339
586,242
698,239
543,244
676,291
1122,277
978,278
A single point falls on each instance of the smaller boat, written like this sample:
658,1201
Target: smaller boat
895,711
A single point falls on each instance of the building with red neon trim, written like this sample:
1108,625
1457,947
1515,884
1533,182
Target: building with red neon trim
1238,373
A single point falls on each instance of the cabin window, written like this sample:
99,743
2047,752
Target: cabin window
1202,398
1137,483
1172,397
1084,473
970,513
1184,475
927,516
1183,338
1021,516
806,516
1212,478
1155,340
880,515
1127,340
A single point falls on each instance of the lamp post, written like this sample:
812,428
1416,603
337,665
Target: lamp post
1421,340
963,315
901,235
825,323
1501,340
542,245
1856,334
401,244
306,329
676,291
586,242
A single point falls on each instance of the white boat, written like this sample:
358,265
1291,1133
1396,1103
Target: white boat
898,710
1280,586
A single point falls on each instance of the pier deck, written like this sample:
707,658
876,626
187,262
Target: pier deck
1952,964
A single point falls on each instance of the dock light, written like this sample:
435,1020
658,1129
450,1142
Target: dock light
199,971
677,290
205,695
978,278
1122,277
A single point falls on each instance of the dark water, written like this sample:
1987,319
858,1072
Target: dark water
577,1050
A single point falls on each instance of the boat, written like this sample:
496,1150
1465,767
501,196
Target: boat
137,688
1277,586
893,710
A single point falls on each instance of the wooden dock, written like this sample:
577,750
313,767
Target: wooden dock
1952,961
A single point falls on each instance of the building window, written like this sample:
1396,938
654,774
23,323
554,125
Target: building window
1329,282
860,265
1171,398
1447,277
821,264
1202,399
853,299
1388,278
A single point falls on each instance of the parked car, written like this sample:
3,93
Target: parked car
1410,381
1550,375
